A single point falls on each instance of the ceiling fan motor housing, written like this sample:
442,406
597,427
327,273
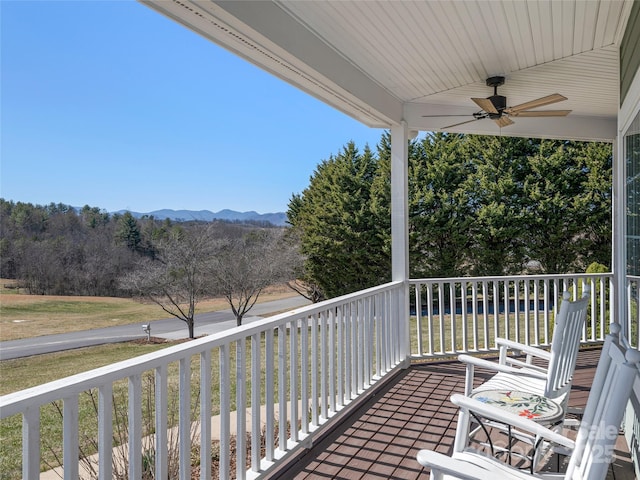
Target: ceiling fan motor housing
500,102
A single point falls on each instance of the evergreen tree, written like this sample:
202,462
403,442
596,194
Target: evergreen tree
553,216
439,209
128,232
495,192
339,240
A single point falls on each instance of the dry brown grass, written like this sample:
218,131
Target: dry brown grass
24,316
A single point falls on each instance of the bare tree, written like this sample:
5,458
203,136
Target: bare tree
178,278
244,266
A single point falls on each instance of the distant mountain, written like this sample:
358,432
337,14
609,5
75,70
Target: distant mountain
278,218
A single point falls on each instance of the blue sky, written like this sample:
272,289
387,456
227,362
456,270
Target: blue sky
112,105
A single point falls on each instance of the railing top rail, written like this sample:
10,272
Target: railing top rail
549,276
48,392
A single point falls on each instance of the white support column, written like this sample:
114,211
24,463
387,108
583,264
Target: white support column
400,227
619,227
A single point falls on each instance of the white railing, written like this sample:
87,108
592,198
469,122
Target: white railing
279,381
273,386
465,315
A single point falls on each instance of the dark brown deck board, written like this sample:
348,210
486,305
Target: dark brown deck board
411,411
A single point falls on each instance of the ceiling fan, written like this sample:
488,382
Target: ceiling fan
495,107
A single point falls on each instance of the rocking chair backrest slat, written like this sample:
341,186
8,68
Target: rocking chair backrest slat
610,392
565,344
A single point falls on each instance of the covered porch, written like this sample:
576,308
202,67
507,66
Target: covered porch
287,382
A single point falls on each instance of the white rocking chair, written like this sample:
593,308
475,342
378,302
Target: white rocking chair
552,381
590,453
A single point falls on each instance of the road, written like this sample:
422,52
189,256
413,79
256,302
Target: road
170,328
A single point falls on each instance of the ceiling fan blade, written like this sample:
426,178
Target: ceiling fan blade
548,100
485,104
450,115
503,122
461,123
542,113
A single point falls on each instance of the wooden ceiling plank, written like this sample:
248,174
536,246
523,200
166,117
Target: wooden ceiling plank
568,21
522,53
578,40
536,32
557,25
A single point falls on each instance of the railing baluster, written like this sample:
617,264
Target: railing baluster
603,301
353,316
293,379
463,316
225,410
323,366
348,353
282,388
495,295
441,313
429,304
161,422
417,299
332,361
256,383
205,415
105,431
474,314
269,396
452,310
361,343
526,313
185,418
485,314
341,356
241,408
536,311
70,437
31,443
314,371
304,374
368,338
507,314
387,331
546,311
516,309
379,334
135,426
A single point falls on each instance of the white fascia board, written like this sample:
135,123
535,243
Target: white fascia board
266,35
631,106
572,127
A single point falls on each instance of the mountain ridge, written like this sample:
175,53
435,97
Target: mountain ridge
276,218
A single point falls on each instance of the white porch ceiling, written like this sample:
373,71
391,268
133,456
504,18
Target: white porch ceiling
382,62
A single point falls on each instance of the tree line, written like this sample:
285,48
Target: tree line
478,205
57,249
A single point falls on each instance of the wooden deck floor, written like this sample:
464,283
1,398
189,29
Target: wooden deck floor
409,412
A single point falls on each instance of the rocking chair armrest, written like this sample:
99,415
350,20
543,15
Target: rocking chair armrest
514,362
508,418
481,362
444,464
528,349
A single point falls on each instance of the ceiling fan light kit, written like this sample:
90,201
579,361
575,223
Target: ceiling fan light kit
495,107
